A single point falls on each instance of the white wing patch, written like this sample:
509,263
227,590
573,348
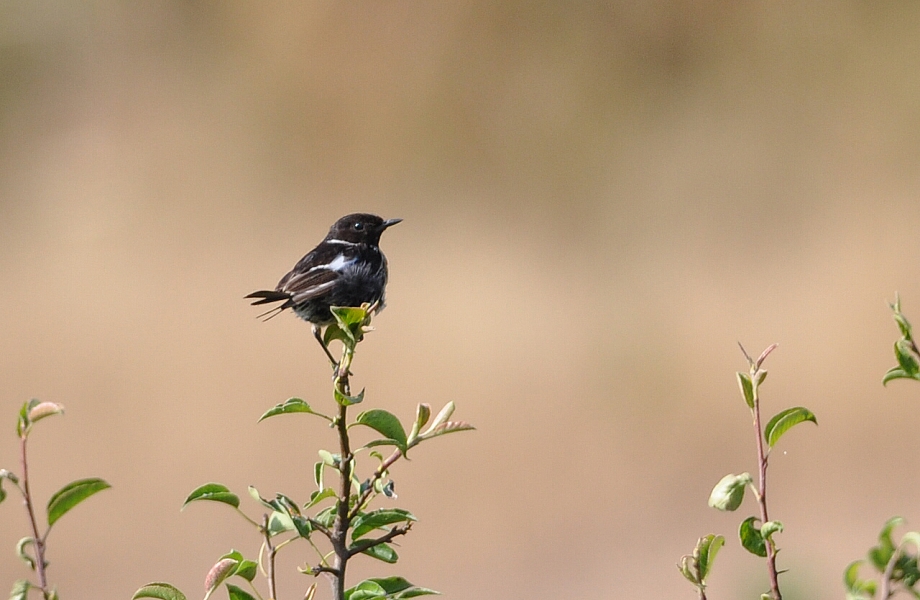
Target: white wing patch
340,263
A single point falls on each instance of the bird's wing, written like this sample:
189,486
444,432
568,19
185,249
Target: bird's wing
306,286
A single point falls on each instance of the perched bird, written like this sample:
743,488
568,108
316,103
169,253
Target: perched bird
347,268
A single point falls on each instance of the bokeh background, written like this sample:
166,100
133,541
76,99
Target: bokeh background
600,200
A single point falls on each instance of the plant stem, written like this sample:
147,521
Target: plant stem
338,535
885,591
39,542
762,498
271,558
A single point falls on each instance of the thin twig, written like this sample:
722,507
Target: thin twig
39,542
319,527
270,576
762,491
363,545
885,591
386,464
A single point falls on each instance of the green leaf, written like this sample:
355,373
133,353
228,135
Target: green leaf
856,588
903,351
368,522
384,423
365,590
728,494
303,526
24,424
751,539
686,567
352,321
292,405
769,528
329,458
20,590
317,497
896,373
161,591
238,593
346,400
422,415
22,554
214,492
881,554
851,574
382,552
246,569
390,587
287,505
747,389
708,547
4,474
255,495
318,471
784,420
442,417
326,517
72,494
911,537
416,592
279,522
904,326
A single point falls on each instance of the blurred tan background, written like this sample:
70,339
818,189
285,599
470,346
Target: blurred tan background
600,200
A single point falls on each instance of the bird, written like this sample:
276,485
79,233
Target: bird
347,268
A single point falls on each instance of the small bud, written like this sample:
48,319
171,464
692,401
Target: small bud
729,492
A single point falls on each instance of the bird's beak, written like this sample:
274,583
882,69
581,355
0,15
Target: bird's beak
389,222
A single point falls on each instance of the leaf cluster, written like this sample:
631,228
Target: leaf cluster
895,563
337,522
905,349
32,549
695,567
755,533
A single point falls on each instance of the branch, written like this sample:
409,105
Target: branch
363,545
321,569
319,527
397,454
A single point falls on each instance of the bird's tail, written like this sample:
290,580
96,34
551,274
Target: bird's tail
269,296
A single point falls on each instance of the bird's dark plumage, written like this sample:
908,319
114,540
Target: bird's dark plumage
346,269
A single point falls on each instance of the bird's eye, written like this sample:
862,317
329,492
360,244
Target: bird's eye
359,226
